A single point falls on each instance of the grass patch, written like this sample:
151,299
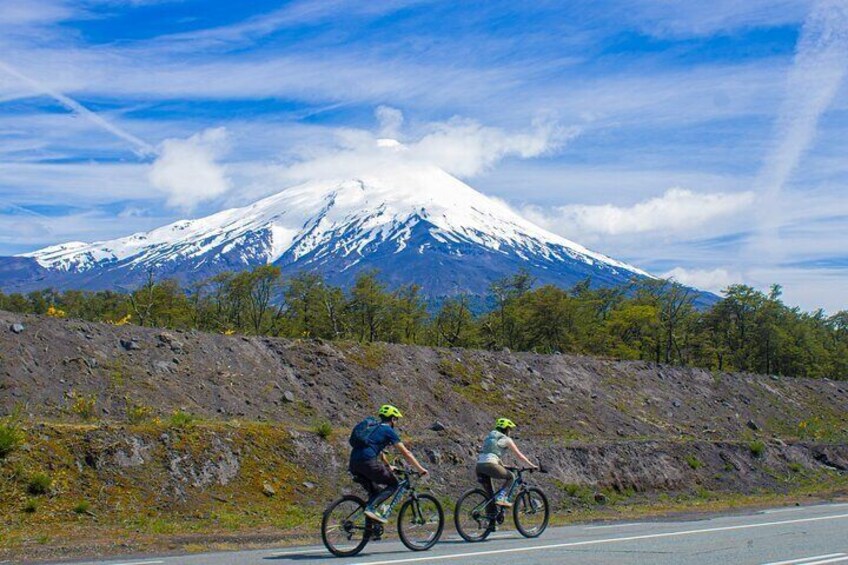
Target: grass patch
84,406
796,467
39,484
181,419
82,507
323,429
693,462
10,439
757,448
369,356
137,413
30,506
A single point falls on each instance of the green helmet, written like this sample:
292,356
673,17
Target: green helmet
504,424
389,411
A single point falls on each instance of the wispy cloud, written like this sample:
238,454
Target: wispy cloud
821,61
141,147
677,210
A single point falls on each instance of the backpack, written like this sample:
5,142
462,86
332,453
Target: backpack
362,431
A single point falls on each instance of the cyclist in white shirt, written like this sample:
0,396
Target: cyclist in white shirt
490,464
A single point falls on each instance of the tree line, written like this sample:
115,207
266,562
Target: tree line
653,320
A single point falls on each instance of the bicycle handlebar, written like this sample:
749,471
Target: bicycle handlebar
539,469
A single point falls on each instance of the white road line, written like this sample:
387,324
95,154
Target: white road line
293,552
835,560
605,541
799,560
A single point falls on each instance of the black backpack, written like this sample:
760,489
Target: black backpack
362,431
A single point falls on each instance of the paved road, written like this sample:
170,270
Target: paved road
813,535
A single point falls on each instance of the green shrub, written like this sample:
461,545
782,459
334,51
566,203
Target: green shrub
84,406
39,484
10,439
323,429
796,467
694,462
180,419
137,413
82,507
757,447
30,506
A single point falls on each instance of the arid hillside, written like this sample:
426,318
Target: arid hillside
145,435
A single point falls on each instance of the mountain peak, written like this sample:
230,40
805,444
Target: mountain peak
415,213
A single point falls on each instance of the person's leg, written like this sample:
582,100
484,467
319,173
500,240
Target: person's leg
370,488
379,475
382,475
484,479
497,471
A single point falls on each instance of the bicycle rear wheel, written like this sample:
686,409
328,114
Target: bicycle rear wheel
344,527
420,522
472,521
531,512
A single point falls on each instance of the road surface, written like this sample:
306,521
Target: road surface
812,535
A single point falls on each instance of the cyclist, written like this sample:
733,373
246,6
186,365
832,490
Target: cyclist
490,465
369,464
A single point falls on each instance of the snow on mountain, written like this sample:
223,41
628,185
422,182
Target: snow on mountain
409,219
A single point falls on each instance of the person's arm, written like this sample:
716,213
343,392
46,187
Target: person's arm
385,460
520,456
407,454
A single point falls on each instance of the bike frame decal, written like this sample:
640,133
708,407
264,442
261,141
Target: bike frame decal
401,490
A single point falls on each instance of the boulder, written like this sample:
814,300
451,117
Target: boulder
437,426
130,345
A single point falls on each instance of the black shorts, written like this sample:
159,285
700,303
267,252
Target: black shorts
373,474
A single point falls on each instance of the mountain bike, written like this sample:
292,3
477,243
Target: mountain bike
345,529
530,510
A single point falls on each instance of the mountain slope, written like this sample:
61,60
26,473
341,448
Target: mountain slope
413,223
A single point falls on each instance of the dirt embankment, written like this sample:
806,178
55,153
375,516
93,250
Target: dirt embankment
250,452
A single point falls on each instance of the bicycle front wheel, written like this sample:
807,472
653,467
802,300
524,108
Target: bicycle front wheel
420,522
344,527
531,512
470,516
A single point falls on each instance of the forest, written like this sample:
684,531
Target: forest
650,319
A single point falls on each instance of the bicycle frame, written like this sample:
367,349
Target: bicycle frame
405,487
518,486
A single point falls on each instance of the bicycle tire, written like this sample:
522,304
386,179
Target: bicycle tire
409,506
366,534
523,500
457,513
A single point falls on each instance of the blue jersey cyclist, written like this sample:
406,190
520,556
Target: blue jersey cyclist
370,466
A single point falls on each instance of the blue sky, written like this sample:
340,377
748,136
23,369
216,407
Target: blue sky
703,140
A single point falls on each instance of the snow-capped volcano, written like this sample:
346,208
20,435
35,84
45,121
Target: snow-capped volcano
413,223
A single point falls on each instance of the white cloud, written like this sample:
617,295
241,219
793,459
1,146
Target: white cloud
678,210
460,146
466,148
187,169
714,280
390,120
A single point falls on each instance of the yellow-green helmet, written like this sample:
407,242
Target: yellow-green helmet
389,411
504,424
